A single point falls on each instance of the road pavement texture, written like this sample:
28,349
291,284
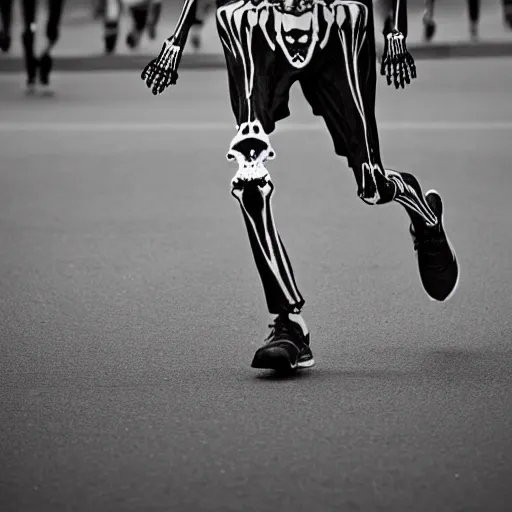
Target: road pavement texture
80,47
130,306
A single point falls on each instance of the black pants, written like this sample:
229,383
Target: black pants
6,15
29,13
474,10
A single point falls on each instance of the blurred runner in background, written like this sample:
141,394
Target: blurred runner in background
145,15
38,69
202,10
507,13
429,24
5,24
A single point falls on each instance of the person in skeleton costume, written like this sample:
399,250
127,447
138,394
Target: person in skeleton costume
328,46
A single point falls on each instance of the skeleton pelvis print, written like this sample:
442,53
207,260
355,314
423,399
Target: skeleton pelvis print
297,35
298,27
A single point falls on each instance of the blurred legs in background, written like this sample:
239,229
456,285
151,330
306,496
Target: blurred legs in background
474,18
507,13
39,67
145,15
98,9
5,24
429,25
139,15
201,9
111,16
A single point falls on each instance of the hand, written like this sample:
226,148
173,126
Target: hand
397,63
162,72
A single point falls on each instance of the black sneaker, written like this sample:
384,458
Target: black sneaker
439,270
31,65
31,62
45,68
110,37
196,42
429,26
287,347
133,39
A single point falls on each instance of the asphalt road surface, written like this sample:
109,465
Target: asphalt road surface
130,306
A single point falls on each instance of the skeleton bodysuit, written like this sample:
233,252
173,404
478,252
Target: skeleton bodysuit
328,46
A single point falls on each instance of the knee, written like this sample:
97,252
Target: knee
252,192
251,144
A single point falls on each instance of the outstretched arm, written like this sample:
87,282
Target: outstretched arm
163,71
397,63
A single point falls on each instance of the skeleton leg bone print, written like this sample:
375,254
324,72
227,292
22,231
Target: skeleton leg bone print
281,291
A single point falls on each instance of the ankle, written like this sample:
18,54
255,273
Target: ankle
299,319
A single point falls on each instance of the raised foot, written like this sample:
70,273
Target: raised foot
133,39
437,261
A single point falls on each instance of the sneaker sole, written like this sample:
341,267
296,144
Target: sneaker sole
452,293
277,359
306,364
